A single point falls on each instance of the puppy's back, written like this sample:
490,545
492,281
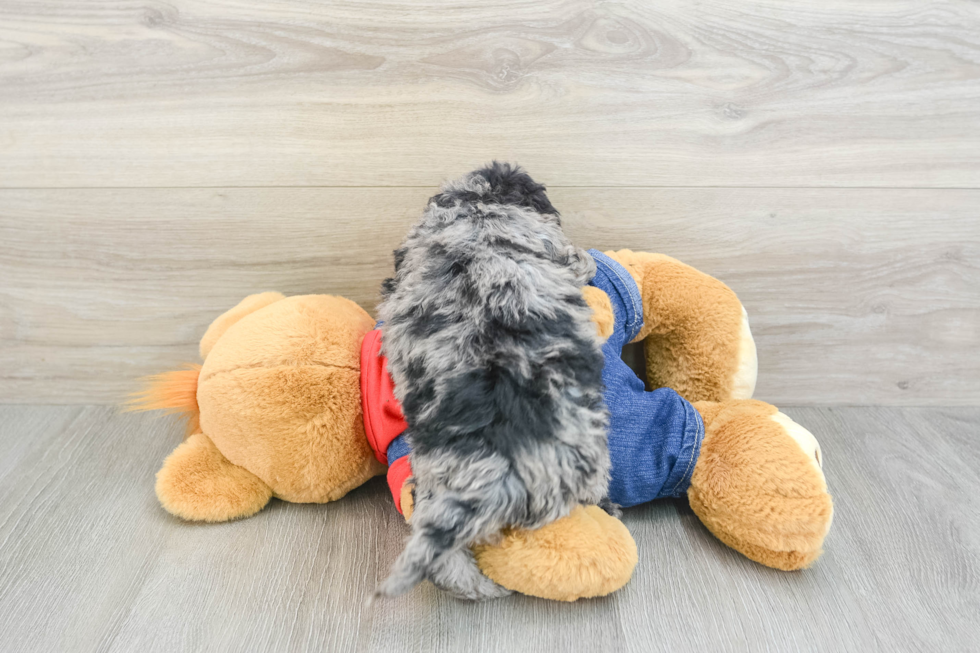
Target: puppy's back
495,361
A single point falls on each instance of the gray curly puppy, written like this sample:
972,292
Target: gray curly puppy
498,369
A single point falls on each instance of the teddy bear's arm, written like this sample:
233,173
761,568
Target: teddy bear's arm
197,483
695,332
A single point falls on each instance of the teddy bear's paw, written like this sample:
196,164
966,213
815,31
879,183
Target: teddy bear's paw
197,483
586,554
759,485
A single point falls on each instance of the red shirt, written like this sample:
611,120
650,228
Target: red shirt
383,418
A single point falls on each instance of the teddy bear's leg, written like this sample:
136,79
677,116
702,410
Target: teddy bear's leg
586,554
696,334
197,483
224,321
759,485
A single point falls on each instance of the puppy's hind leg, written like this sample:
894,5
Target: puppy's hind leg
456,572
440,525
410,568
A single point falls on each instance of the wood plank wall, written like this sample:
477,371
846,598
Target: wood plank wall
160,160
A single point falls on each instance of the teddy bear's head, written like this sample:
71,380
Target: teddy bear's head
279,395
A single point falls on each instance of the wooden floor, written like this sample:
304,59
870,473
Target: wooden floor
89,561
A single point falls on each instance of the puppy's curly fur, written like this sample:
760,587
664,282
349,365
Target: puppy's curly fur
499,372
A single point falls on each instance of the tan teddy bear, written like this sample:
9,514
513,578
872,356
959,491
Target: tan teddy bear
277,409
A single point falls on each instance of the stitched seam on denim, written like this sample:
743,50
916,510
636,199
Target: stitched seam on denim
612,267
629,293
699,435
634,293
607,265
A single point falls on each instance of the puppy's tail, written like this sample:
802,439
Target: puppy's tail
440,525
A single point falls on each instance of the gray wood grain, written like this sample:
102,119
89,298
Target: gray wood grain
89,561
856,296
289,92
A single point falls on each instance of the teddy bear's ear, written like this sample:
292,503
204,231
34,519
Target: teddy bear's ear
248,305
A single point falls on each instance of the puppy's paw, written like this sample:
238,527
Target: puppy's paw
612,509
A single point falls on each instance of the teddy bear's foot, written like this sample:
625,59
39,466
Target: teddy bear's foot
588,553
197,483
759,485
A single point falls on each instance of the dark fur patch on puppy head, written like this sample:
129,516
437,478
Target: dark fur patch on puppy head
504,184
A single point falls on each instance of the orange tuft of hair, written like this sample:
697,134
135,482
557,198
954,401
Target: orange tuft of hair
174,392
